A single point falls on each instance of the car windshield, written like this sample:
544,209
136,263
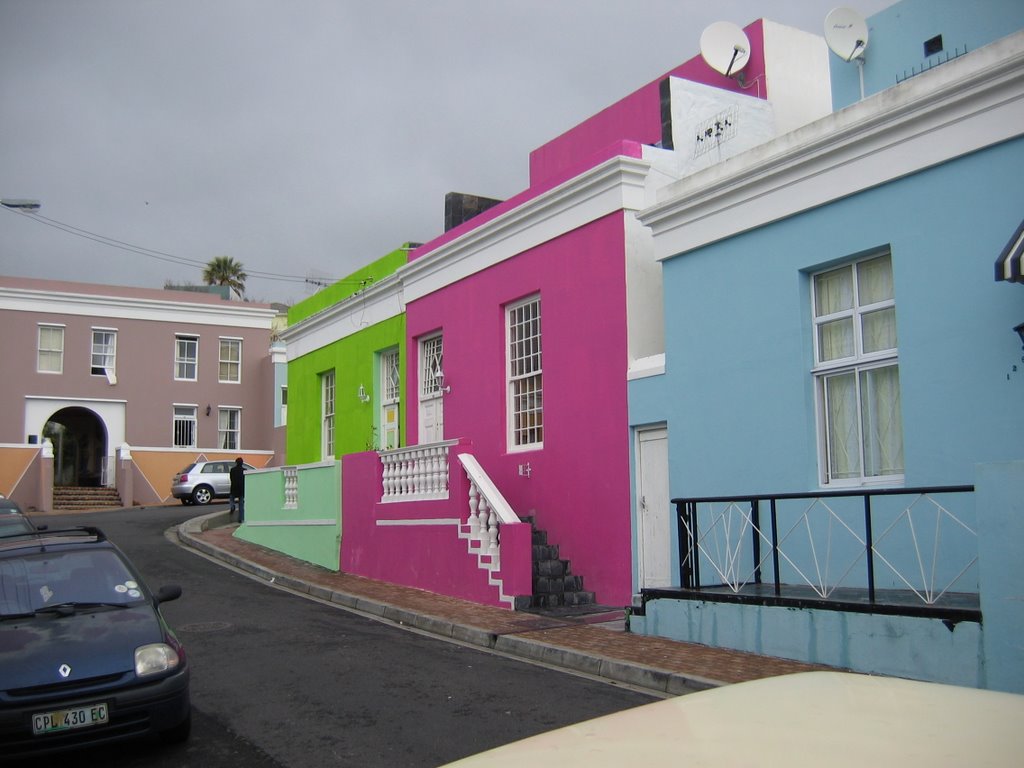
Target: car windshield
39,581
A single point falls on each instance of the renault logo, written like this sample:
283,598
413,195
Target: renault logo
64,670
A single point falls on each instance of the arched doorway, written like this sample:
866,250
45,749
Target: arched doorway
79,440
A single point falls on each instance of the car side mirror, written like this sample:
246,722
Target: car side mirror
168,593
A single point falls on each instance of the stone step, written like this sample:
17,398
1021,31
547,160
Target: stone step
72,498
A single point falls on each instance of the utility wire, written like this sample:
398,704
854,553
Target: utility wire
151,253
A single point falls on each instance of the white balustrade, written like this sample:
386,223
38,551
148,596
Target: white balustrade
416,473
291,487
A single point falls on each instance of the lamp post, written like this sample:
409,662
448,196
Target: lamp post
25,206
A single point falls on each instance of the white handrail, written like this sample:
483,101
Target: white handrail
489,490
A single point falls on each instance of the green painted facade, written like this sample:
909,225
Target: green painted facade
356,363
341,290
295,531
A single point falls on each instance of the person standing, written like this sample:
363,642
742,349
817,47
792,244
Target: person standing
237,494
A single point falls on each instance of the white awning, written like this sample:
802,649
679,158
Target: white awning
1010,264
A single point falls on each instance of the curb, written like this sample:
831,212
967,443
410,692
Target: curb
658,681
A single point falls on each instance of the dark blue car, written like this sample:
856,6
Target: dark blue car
85,654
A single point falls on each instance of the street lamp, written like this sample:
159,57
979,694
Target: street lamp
26,206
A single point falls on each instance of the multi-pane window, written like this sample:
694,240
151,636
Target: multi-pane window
186,358
525,375
229,422
389,376
431,372
104,352
50,354
857,372
327,410
230,361
184,426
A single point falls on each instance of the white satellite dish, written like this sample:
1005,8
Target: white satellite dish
725,48
846,33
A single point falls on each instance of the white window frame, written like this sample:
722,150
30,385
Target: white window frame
104,353
431,366
328,404
184,415
229,342
858,364
229,437
524,375
390,381
50,352
181,362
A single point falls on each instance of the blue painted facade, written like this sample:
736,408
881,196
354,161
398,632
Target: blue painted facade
896,38
738,394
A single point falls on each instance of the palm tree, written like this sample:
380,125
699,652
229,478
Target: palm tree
224,270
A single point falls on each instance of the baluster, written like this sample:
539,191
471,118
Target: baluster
474,500
492,535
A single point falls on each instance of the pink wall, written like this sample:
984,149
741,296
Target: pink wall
428,557
638,116
578,489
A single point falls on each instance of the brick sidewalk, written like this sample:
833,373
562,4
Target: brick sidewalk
653,662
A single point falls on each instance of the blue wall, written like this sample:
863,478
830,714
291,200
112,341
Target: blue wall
897,34
737,393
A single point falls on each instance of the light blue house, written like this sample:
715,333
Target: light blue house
829,458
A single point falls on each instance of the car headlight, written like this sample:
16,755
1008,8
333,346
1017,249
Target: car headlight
155,658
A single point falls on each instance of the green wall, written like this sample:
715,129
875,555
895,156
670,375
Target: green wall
311,530
354,361
341,290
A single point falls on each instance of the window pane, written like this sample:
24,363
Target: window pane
880,411
833,291
842,438
874,280
835,340
878,330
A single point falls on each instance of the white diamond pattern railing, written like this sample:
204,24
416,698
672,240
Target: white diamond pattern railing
820,541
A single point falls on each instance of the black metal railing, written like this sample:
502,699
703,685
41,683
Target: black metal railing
901,551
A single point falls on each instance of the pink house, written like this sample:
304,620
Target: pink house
524,325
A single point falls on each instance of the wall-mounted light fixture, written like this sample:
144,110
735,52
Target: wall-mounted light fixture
208,409
361,394
1019,329
439,380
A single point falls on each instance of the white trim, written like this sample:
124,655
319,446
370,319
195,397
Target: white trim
378,302
55,301
644,367
76,399
289,523
421,521
614,185
965,105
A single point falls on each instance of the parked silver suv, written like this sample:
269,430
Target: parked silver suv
201,482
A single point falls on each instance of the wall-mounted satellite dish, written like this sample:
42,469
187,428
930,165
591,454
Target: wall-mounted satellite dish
725,48
846,33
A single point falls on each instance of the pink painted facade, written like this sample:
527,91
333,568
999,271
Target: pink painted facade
638,116
572,241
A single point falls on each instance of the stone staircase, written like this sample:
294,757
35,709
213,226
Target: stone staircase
78,499
554,584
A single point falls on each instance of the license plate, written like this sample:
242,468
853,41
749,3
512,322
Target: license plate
66,719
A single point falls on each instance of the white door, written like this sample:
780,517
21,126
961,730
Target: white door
431,406
654,511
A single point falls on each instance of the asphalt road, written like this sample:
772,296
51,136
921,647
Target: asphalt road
282,680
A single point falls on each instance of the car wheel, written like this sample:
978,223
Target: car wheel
178,733
202,495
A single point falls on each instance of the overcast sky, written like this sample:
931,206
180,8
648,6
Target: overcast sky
301,137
